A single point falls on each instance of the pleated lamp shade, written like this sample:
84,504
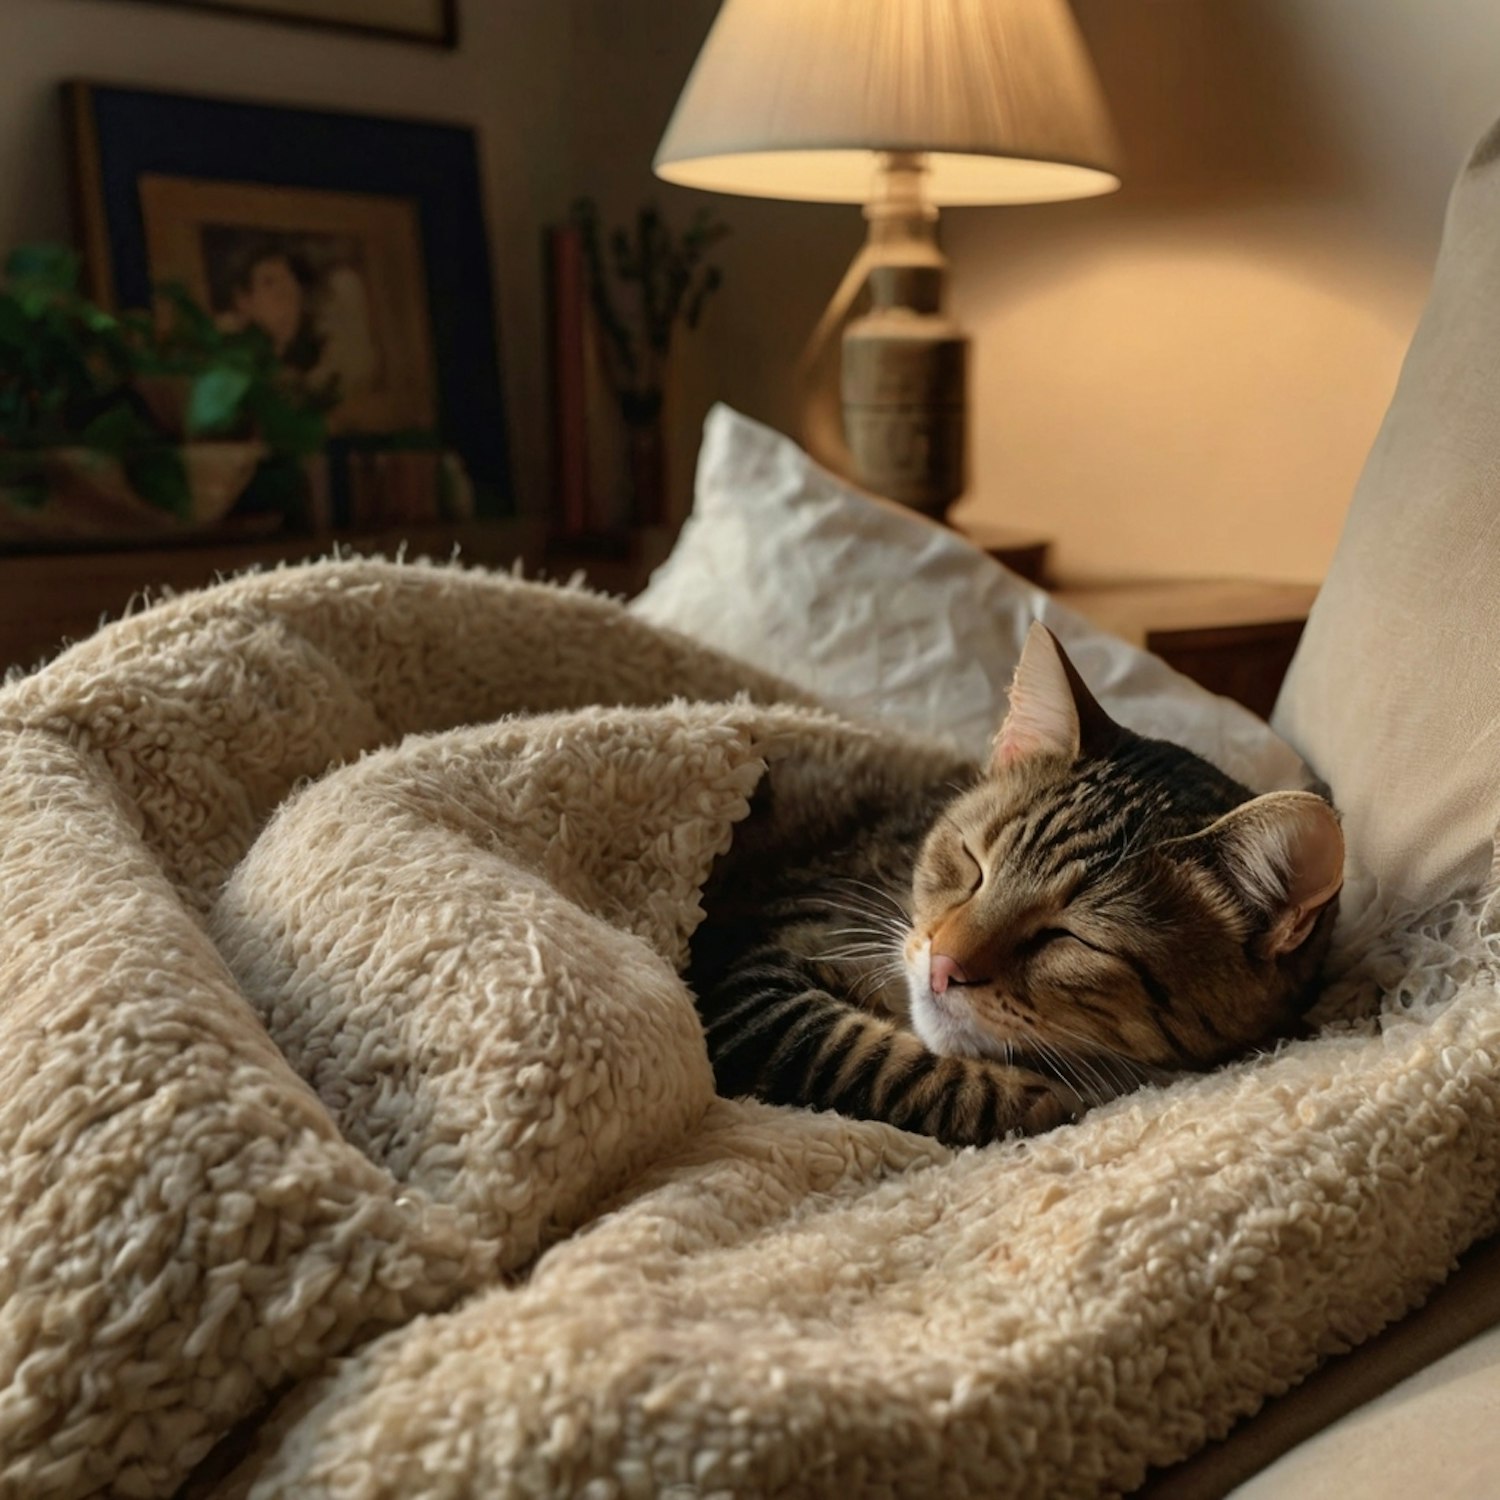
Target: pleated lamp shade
792,98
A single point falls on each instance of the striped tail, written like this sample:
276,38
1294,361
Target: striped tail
773,1032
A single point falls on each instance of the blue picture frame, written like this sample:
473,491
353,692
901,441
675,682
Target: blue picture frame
121,134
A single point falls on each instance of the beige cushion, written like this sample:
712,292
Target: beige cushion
1410,1410
1394,696
1434,1434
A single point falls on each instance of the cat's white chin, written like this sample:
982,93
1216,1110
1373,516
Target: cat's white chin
941,1022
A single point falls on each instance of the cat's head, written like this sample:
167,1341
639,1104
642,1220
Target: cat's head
1113,901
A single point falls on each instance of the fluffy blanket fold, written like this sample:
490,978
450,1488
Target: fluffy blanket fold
381,1096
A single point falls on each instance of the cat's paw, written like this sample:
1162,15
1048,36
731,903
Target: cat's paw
1051,1103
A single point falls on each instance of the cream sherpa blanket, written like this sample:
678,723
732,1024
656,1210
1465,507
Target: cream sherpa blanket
382,1099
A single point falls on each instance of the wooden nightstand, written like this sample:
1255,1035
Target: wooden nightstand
1233,637
1023,552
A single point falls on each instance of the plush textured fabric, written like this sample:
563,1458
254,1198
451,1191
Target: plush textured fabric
1394,695
383,1095
898,619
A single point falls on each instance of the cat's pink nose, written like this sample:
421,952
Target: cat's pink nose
945,971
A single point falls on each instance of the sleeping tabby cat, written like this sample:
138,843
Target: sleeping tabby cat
1097,910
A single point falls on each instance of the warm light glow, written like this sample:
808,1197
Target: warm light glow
790,98
847,176
1180,398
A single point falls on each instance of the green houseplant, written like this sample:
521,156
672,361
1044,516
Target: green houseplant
119,424
644,281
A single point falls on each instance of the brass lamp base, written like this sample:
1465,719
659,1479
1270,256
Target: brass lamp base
900,432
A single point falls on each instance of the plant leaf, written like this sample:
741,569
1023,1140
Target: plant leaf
216,399
52,268
118,430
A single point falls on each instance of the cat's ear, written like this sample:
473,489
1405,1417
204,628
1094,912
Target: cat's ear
1051,711
1285,850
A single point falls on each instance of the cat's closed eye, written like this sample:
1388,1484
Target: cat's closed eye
973,867
952,872
1048,937
1053,936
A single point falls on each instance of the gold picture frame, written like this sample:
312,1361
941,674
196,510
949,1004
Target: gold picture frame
335,278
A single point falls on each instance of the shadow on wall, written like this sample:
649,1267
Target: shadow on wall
1185,378
1213,100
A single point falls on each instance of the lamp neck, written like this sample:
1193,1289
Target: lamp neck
905,266
898,208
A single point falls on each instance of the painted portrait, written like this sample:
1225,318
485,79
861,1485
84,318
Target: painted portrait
335,281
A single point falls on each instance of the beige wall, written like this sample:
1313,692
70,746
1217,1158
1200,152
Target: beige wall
1186,378
1181,379
511,78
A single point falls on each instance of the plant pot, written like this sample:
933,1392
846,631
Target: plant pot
83,495
166,398
648,471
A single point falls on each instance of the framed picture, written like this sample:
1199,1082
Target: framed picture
434,21
356,242
335,279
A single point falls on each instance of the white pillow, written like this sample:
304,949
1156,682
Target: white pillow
890,616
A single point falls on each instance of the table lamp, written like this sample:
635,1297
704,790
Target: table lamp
904,106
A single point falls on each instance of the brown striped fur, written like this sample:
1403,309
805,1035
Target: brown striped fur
1096,910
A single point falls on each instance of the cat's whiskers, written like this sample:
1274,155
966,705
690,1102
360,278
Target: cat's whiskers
1057,1064
876,929
1080,1075
875,981
875,972
1089,1082
862,956
869,937
1077,1072
890,901
1137,1071
1123,1075
874,952
880,920
880,932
